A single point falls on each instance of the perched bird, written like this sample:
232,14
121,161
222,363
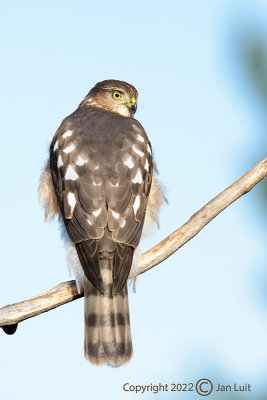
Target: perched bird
99,180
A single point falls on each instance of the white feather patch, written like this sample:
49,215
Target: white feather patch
115,215
56,146
134,269
69,148
59,162
71,174
148,148
136,204
72,258
146,165
148,224
140,138
96,212
74,263
71,200
129,162
80,161
138,177
139,152
67,134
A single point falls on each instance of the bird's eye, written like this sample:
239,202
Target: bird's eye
117,95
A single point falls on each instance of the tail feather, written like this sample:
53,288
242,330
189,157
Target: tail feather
107,323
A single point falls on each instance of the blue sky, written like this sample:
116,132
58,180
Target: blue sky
201,313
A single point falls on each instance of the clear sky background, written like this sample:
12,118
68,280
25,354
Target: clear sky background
201,313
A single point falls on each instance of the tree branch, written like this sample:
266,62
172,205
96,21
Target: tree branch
65,292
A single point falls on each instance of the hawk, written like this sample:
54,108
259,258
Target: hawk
99,180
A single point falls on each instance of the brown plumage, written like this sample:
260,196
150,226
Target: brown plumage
101,168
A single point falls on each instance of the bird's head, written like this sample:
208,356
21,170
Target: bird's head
115,96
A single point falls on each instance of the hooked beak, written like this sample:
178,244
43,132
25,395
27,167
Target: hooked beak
133,105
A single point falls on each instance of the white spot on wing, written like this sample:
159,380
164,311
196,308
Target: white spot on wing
116,185
129,162
71,200
89,222
115,215
96,212
123,224
69,148
146,165
148,148
56,145
80,161
136,204
138,177
59,162
67,134
140,138
71,174
139,152
96,184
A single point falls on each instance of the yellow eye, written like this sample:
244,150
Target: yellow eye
117,95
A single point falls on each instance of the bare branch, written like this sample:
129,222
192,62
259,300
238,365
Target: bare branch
65,292
59,295
201,218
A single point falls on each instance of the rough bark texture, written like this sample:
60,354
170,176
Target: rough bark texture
65,292
59,295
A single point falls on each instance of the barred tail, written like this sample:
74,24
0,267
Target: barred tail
107,327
